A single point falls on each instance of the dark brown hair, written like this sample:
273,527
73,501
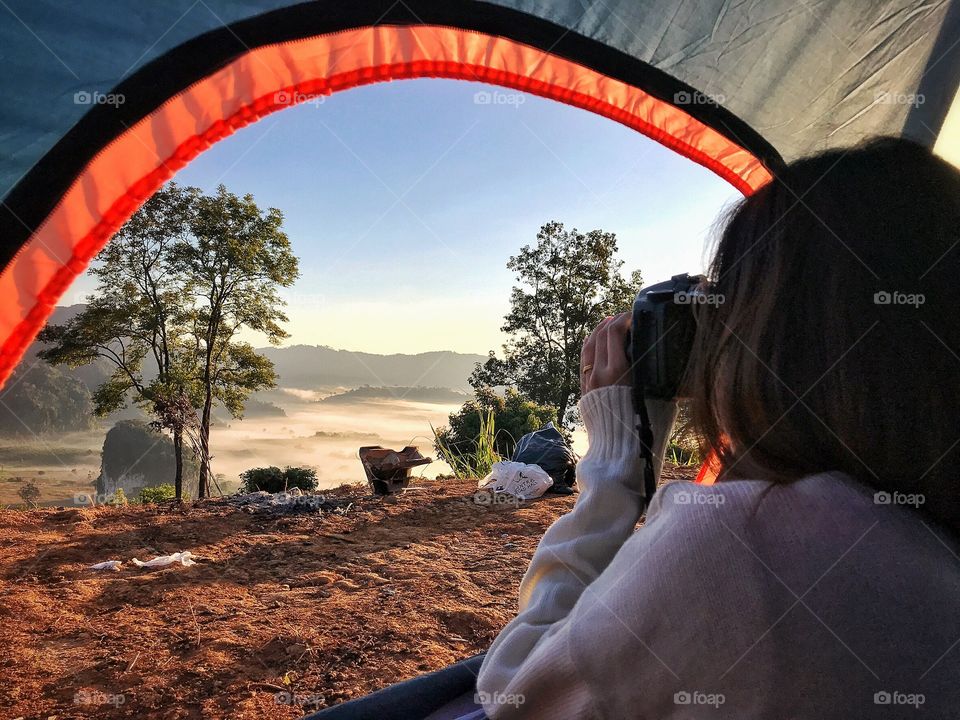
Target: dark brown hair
834,340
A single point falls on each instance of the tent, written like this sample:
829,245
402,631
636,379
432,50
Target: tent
103,101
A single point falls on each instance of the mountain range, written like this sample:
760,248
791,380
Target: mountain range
316,366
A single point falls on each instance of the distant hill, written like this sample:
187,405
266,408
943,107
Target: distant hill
313,366
413,394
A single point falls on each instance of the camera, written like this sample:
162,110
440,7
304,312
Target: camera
658,349
661,335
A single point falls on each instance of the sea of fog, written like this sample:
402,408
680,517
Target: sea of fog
322,435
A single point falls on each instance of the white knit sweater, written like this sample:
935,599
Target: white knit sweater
740,600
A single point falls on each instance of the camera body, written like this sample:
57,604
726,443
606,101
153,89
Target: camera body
661,335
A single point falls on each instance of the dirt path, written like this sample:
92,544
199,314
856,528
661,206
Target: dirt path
282,615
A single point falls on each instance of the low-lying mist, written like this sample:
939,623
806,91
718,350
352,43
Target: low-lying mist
310,432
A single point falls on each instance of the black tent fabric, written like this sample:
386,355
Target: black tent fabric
104,101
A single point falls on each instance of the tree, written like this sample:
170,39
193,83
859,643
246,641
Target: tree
176,285
236,257
568,282
513,417
135,319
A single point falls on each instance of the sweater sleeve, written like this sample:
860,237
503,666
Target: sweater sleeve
528,671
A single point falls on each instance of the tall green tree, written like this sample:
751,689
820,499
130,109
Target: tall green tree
135,317
177,285
236,258
567,283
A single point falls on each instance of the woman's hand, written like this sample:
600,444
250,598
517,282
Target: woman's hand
603,360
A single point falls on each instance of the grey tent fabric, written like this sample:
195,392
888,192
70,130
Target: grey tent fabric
806,75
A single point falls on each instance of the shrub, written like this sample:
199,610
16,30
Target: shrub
29,493
486,429
473,459
158,493
118,498
273,479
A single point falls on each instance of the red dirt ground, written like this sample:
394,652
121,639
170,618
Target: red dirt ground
281,615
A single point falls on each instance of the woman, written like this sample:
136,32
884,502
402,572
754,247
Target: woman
820,576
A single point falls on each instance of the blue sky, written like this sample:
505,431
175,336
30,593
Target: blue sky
404,201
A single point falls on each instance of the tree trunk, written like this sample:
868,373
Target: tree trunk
178,457
562,409
205,444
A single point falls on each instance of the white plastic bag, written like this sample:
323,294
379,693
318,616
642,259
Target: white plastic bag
518,479
181,557
108,565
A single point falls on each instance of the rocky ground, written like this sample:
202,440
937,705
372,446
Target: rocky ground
283,613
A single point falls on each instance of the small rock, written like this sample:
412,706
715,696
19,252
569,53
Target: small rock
510,546
284,587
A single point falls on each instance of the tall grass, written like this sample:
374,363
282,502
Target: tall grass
683,455
478,458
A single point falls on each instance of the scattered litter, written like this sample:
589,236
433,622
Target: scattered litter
513,478
184,558
388,470
548,449
108,565
292,502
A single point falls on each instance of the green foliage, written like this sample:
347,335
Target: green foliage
42,399
568,282
119,498
683,456
273,479
158,493
474,459
29,493
486,429
176,286
236,257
